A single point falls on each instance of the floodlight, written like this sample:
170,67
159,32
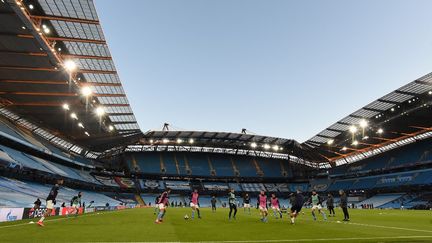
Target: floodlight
100,111
363,123
330,141
86,91
74,116
353,129
66,107
70,65
254,145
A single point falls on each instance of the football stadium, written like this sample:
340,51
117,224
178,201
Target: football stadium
75,166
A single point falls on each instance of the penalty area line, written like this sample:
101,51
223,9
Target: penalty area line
283,240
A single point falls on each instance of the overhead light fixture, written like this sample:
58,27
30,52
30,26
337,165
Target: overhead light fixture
266,146
80,125
430,92
100,111
70,65
165,140
330,141
392,109
275,147
365,137
46,30
86,133
380,131
355,143
74,116
86,91
344,148
191,141
254,145
31,6
363,123
23,27
151,141
66,107
353,129
179,140
111,128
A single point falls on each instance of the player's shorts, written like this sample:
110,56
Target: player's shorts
316,207
263,208
161,206
75,205
49,204
295,209
275,207
246,205
193,205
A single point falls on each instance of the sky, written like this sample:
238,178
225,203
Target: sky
277,68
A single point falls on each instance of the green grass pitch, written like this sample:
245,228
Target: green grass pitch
137,225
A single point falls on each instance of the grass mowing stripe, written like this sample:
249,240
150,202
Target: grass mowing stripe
282,240
377,226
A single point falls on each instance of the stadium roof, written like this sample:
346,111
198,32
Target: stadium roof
57,72
400,117
225,142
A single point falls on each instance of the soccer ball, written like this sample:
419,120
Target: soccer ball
186,217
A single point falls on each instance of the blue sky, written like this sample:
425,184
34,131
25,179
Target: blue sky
278,68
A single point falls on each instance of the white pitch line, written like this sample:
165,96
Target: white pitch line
286,240
373,225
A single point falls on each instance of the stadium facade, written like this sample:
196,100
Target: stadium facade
64,114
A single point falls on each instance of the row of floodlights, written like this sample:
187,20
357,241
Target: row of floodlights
191,141
363,124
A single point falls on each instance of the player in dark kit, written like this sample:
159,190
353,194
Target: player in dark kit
246,203
344,204
163,202
213,204
50,201
330,205
296,206
37,204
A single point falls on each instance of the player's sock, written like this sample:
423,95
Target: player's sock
160,215
193,214
313,215
324,215
199,214
42,219
280,214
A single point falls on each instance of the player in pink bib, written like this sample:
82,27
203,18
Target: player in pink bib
262,201
194,203
275,206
